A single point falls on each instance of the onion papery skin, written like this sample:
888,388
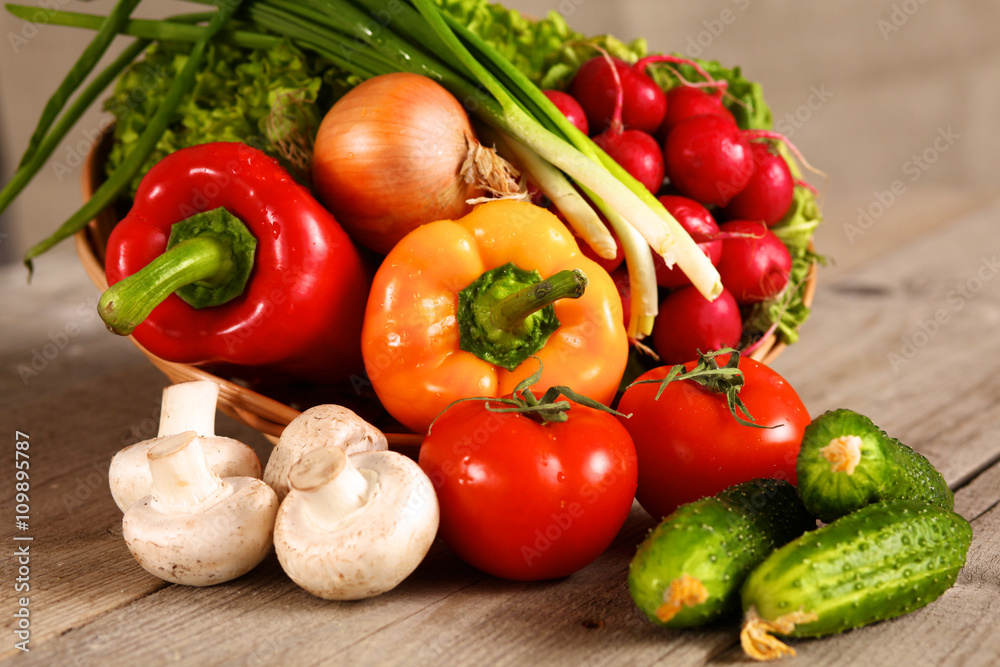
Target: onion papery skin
388,158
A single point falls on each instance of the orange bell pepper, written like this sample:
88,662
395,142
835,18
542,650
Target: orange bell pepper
448,318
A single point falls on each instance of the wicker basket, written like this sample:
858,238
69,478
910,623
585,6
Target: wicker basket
264,414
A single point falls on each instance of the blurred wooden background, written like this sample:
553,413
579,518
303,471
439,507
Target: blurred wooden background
887,95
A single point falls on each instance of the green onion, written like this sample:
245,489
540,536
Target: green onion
110,189
500,95
554,184
76,75
35,159
174,29
423,39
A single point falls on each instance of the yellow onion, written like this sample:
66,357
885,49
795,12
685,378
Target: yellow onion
395,152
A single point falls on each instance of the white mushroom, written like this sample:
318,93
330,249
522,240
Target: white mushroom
353,527
187,406
319,426
196,528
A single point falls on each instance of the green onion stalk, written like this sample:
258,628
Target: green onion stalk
112,187
422,39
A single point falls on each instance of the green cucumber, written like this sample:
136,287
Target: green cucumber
689,569
847,462
880,562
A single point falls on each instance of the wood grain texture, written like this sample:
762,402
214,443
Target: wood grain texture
92,605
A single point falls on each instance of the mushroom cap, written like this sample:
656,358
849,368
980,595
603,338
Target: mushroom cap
372,549
319,426
130,479
220,542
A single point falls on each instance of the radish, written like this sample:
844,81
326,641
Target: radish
708,158
755,264
595,88
637,152
768,193
689,323
570,108
699,223
686,101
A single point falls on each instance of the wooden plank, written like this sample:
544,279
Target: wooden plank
873,344
962,627
447,613
849,240
429,618
93,605
80,568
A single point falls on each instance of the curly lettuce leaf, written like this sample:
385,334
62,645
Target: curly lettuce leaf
745,98
788,311
530,45
267,99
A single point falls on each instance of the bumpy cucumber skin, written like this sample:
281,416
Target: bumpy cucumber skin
888,470
880,562
717,540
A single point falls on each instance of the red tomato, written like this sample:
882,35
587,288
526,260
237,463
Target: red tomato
689,445
527,501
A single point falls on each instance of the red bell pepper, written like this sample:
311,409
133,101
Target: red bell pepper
225,261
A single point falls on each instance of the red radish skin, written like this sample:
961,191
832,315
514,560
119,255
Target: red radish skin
688,323
768,193
570,108
594,87
637,152
708,159
755,264
683,102
699,223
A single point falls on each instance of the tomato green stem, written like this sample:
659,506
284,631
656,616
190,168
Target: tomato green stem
727,380
545,410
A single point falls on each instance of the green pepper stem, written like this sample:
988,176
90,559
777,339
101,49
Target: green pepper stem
129,301
510,312
507,314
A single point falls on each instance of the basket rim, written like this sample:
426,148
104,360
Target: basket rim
262,413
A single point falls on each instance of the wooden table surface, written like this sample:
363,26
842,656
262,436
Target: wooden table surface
904,331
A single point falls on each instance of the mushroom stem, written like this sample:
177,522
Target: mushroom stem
181,476
331,487
189,406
